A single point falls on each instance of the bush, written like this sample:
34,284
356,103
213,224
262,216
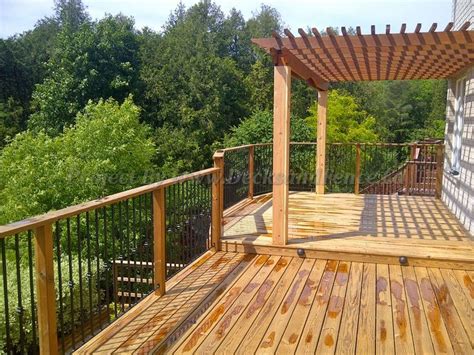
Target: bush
25,282
107,151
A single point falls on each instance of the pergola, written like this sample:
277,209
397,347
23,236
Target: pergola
320,60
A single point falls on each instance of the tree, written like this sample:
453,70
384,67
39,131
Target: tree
258,128
194,88
98,61
11,114
346,121
107,151
71,14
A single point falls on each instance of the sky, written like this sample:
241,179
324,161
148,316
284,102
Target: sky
17,16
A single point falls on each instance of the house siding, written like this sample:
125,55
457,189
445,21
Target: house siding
458,191
462,12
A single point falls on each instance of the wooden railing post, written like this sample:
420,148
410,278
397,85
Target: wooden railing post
217,201
439,170
159,241
251,170
357,170
321,142
46,304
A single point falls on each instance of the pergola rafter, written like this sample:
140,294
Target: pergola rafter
386,56
320,60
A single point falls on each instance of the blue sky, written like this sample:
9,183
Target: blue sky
19,15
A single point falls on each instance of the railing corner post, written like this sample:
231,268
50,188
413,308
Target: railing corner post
159,241
46,304
357,170
439,170
217,201
251,170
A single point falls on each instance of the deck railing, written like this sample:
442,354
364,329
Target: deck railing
69,273
376,168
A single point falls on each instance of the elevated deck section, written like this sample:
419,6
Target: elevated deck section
377,228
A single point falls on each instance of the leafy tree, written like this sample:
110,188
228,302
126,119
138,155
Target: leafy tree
11,114
98,61
258,128
71,14
195,87
346,121
107,151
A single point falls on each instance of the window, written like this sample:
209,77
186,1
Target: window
458,124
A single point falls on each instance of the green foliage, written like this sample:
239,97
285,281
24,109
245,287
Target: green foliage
105,152
10,120
258,128
98,61
404,110
346,121
69,323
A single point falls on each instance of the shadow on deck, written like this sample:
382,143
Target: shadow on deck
356,227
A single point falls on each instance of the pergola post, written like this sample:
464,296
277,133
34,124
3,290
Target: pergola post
281,152
321,142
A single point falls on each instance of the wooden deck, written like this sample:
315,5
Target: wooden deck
247,303
348,294
355,228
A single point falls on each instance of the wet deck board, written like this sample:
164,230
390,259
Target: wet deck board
241,303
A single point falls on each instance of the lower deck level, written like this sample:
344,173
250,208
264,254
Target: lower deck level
229,302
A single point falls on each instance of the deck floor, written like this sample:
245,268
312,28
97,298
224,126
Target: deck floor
247,303
416,226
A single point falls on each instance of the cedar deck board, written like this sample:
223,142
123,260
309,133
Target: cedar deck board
425,307
415,226
305,304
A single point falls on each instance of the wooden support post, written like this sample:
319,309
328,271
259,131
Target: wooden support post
46,304
439,170
251,170
281,152
159,241
217,201
321,142
357,170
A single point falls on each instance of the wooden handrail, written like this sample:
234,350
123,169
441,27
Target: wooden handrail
44,250
51,217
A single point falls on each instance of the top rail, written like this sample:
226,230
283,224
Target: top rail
376,144
50,217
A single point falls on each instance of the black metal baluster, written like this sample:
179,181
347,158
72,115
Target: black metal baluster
89,271
149,240
134,250
81,289
122,301
113,265
60,285
71,279
19,309
97,260
128,258
108,265
141,239
32,289
5,297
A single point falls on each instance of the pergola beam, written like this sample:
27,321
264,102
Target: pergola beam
283,57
